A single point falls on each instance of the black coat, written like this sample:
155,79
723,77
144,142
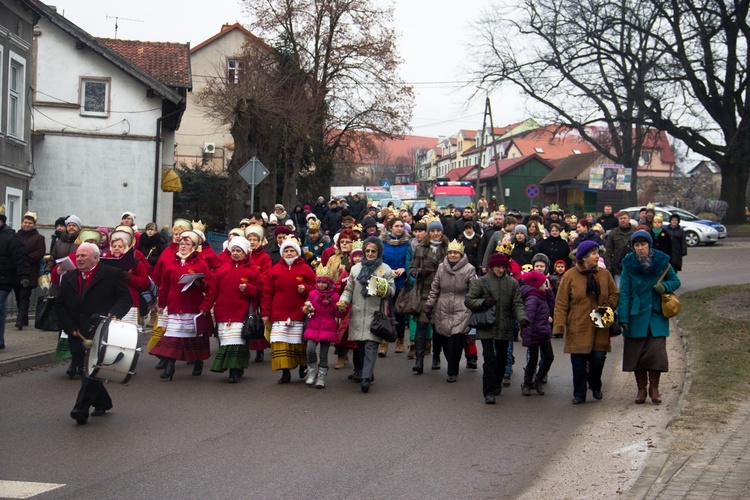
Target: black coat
35,248
14,264
679,246
555,249
106,294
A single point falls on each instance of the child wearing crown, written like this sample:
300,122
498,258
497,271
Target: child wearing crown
322,326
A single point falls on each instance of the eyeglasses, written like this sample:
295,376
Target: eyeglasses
369,252
345,242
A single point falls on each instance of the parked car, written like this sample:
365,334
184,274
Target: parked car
697,230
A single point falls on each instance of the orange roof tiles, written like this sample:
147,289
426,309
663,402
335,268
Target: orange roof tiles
167,62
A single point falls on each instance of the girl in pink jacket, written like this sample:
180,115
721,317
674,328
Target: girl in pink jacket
322,326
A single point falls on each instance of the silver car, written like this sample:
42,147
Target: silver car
697,231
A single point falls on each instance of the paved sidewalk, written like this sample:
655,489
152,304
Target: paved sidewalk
720,469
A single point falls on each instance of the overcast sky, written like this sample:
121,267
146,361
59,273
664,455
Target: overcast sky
435,40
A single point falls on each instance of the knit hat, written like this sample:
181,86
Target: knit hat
240,243
369,221
256,230
642,235
60,221
282,230
540,257
585,248
375,241
103,229
75,220
497,260
434,224
560,261
272,219
279,206
534,278
520,228
125,214
290,242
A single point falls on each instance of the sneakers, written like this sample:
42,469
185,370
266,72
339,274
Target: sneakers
489,399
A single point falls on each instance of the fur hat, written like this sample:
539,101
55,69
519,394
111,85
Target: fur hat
497,260
534,278
75,220
585,248
642,235
240,243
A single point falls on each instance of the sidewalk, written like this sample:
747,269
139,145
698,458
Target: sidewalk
720,469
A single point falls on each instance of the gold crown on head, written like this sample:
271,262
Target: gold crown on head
501,207
324,272
291,237
31,214
314,224
554,207
573,219
429,218
357,228
505,247
564,235
456,246
650,206
357,245
199,225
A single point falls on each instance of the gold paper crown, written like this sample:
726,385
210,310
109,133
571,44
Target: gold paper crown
314,224
650,206
527,268
427,219
564,235
554,207
456,246
31,214
573,219
505,247
199,225
404,206
501,207
357,228
324,272
2,209
291,237
357,245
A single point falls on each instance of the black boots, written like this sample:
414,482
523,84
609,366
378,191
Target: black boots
161,364
419,347
197,368
259,356
168,372
234,375
286,376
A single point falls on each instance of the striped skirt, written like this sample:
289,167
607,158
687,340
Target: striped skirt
233,352
288,350
180,341
63,347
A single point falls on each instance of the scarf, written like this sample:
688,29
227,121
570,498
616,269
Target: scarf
469,237
647,260
324,296
592,283
368,268
434,245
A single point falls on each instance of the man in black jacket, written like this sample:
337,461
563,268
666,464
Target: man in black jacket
14,268
332,219
91,291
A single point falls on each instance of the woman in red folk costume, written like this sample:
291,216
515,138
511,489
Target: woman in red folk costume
284,293
206,251
181,340
120,243
235,288
226,255
262,261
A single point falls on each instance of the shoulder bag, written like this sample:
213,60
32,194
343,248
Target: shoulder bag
670,303
253,327
484,318
383,326
409,299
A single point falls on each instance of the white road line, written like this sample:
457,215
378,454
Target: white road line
25,489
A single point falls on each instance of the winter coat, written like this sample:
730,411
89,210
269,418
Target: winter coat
588,235
508,307
679,246
539,305
617,247
496,238
320,210
318,246
424,264
640,304
337,263
555,248
394,254
171,295
360,314
14,263
262,261
35,249
608,222
224,295
331,222
281,299
152,247
522,253
322,325
573,308
446,299
167,255
662,242
274,252
65,245
471,249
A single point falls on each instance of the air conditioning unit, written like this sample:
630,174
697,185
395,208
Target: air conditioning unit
209,148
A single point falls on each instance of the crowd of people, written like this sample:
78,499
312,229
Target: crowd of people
318,276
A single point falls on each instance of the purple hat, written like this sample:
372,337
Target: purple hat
585,248
497,260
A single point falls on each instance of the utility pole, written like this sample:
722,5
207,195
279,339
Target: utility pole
117,19
488,112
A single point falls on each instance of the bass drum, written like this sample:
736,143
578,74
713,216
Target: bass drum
115,351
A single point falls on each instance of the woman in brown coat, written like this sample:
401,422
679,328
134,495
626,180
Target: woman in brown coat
584,288
35,248
445,305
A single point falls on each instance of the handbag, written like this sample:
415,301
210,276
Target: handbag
46,316
148,297
383,326
484,318
253,327
409,300
670,302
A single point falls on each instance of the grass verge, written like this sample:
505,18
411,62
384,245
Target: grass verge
716,326
738,230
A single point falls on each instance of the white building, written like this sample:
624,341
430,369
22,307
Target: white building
105,115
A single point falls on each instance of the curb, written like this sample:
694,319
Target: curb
26,362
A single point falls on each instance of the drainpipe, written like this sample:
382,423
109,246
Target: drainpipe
157,157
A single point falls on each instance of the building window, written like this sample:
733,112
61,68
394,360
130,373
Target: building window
233,71
16,94
95,97
646,156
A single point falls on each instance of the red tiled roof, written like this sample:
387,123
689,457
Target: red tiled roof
468,134
506,166
554,142
226,28
168,62
457,173
661,143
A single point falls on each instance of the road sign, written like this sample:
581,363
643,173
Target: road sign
386,184
533,191
253,171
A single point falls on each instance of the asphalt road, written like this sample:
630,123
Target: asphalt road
410,437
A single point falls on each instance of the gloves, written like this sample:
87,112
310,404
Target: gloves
524,323
423,273
489,302
624,326
25,282
659,287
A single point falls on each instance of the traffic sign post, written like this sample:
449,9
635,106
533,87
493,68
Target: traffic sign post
532,191
253,172
386,184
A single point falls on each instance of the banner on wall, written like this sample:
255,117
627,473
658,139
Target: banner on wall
610,177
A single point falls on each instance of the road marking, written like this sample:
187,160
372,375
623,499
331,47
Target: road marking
25,489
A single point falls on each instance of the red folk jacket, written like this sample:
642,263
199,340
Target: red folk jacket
281,300
231,305
171,295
